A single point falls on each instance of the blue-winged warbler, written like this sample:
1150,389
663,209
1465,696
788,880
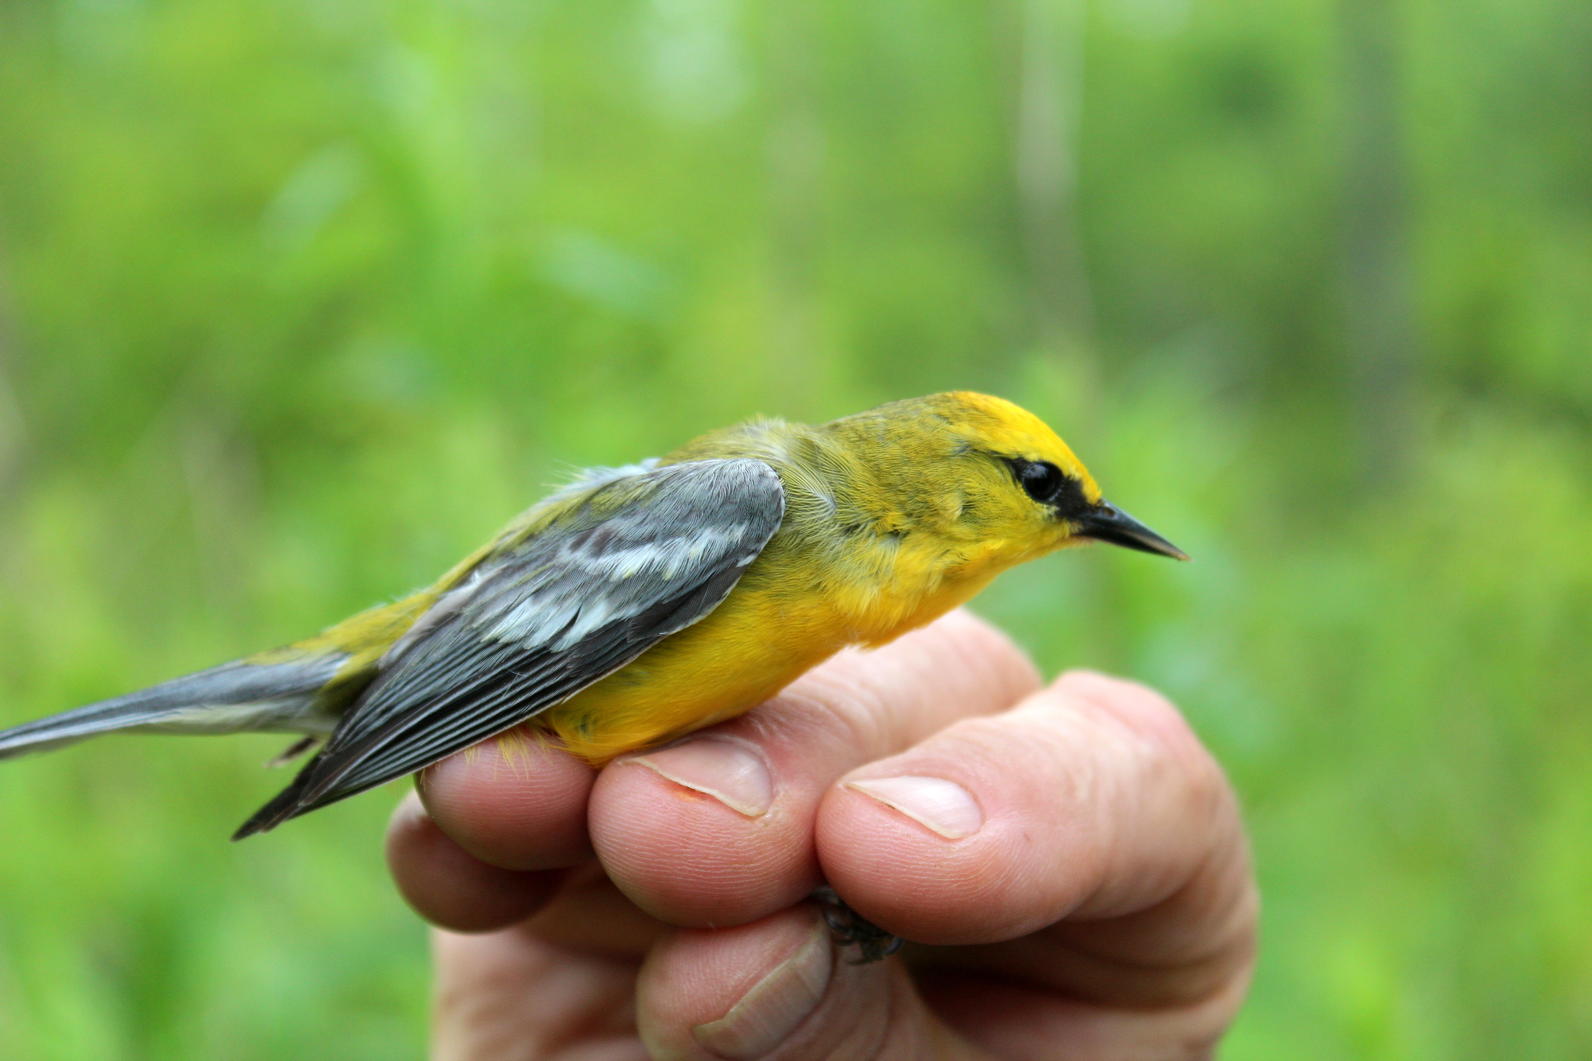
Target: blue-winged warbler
641,603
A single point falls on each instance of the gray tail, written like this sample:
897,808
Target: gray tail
230,698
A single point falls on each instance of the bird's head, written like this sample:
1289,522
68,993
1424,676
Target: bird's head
974,468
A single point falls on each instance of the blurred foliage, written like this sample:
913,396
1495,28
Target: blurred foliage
299,301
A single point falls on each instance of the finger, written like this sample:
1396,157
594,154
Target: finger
779,989
510,996
717,829
1090,800
514,801
590,915
1011,1020
452,888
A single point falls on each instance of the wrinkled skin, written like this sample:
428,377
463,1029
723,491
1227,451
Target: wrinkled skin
1069,863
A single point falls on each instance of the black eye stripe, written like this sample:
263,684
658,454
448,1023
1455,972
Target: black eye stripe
1049,485
1070,499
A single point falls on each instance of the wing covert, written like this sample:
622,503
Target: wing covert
541,617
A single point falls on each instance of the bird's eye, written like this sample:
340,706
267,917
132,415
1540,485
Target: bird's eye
1040,480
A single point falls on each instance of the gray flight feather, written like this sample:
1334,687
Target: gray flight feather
226,699
636,559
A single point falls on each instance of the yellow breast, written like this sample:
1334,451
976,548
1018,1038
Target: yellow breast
791,611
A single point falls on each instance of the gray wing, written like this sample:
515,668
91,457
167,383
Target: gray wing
639,558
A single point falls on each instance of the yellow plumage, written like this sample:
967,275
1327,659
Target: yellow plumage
645,603
815,589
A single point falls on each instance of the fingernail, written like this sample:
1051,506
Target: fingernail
729,770
944,806
775,1006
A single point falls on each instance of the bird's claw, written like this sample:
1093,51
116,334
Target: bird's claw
847,926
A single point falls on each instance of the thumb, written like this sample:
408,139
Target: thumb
780,989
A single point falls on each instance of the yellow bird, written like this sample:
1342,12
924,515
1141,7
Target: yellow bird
641,603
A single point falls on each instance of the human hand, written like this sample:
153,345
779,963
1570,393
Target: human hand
1068,860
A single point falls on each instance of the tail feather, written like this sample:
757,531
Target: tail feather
235,696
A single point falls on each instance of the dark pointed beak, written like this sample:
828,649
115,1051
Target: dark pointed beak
1107,523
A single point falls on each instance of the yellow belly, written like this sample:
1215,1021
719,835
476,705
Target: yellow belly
728,663
750,647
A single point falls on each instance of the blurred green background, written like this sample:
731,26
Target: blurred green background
299,301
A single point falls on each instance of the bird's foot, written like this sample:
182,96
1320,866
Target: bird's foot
847,926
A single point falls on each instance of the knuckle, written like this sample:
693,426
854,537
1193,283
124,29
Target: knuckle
1170,751
879,702
994,658
1130,700
834,707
